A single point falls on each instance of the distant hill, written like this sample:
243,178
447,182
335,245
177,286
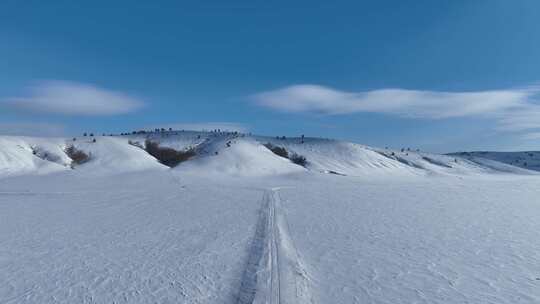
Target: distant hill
527,159
233,153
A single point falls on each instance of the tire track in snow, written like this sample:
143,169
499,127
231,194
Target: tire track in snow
274,273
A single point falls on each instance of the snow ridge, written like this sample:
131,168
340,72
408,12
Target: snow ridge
274,273
241,155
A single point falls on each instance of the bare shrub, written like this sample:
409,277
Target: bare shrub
280,151
298,159
168,156
294,157
77,156
135,144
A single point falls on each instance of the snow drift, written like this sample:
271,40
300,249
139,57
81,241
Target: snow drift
21,155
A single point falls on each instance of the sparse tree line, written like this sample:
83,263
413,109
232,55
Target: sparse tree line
302,138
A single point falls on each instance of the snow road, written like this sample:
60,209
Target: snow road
274,273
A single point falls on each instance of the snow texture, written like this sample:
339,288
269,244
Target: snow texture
356,225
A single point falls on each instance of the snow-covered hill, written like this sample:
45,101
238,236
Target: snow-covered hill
326,155
20,155
113,155
243,155
529,160
237,223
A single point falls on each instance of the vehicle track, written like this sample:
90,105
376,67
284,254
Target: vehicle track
274,273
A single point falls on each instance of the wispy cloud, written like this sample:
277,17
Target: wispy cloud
206,126
513,109
32,129
71,98
425,104
531,136
522,118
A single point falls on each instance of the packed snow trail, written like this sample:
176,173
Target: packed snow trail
274,273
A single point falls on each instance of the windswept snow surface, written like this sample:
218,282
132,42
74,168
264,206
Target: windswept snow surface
242,157
20,155
112,155
345,158
529,160
247,226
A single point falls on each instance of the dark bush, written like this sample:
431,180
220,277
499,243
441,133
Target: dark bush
77,156
136,144
277,150
168,156
298,159
280,151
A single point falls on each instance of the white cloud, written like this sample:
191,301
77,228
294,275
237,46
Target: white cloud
206,126
408,103
31,129
512,109
71,98
531,136
522,118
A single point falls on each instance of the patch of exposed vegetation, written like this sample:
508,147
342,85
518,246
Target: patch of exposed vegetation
294,157
78,157
280,151
298,159
135,144
168,156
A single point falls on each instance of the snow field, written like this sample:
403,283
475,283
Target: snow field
247,226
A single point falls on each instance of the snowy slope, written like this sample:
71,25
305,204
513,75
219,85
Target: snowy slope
529,160
108,155
239,154
113,155
326,155
340,157
451,164
22,155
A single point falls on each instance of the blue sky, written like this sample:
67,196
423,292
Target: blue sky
437,75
